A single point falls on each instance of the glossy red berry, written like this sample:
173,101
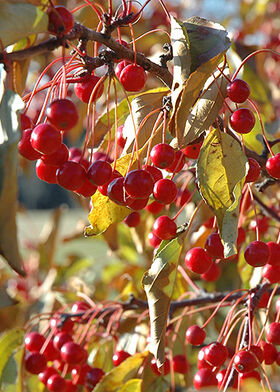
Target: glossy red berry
201,362
46,374
25,148
192,151
132,77
164,227
72,353
154,171
195,335
183,196
273,333
254,170
25,122
212,274
45,139
93,377
242,120
87,189
103,189
121,140
133,219
61,324
50,352
252,374
222,381
85,89
79,373
116,191
70,387
215,354
138,184
180,364
35,363
154,240
34,341
119,357
241,236
137,204
165,369
62,114
165,191
58,157
274,258
257,253
214,247
178,162
197,260
60,20
271,273
56,383
71,175
204,378
258,352
238,91
154,207
60,339
162,155
79,307
273,166
245,361
269,352
46,172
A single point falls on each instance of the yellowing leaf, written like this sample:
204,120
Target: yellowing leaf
20,20
104,211
221,171
188,96
117,377
132,386
158,283
9,342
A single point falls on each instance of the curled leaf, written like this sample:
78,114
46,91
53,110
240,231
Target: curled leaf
158,283
221,170
9,342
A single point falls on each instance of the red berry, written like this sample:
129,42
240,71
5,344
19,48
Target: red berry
137,204
132,77
195,335
197,260
180,364
273,166
70,387
56,383
116,191
257,253
133,219
212,274
45,139
165,191
252,374
34,341
79,307
154,240
58,157
214,246
57,323
238,90
46,374
87,189
79,374
258,352
154,171
271,273
154,207
264,300
273,333
215,354
201,362
192,151
165,368
94,375
245,361
269,352
164,227
62,114
139,184
241,236
274,258
178,163
242,120
60,20
60,339
222,382
183,196
262,223
254,171
35,363
119,137
72,353
119,357
103,189
204,378
162,155
25,122
25,148
46,172
71,175
84,89
50,352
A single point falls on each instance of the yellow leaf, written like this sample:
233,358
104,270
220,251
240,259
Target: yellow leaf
221,170
117,377
132,386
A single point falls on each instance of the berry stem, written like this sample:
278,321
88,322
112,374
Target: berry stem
188,279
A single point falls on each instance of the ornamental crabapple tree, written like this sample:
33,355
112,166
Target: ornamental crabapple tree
177,160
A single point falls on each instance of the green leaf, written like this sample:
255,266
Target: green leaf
20,20
221,170
10,104
158,283
188,96
9,342
133,385
104,211
118,376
